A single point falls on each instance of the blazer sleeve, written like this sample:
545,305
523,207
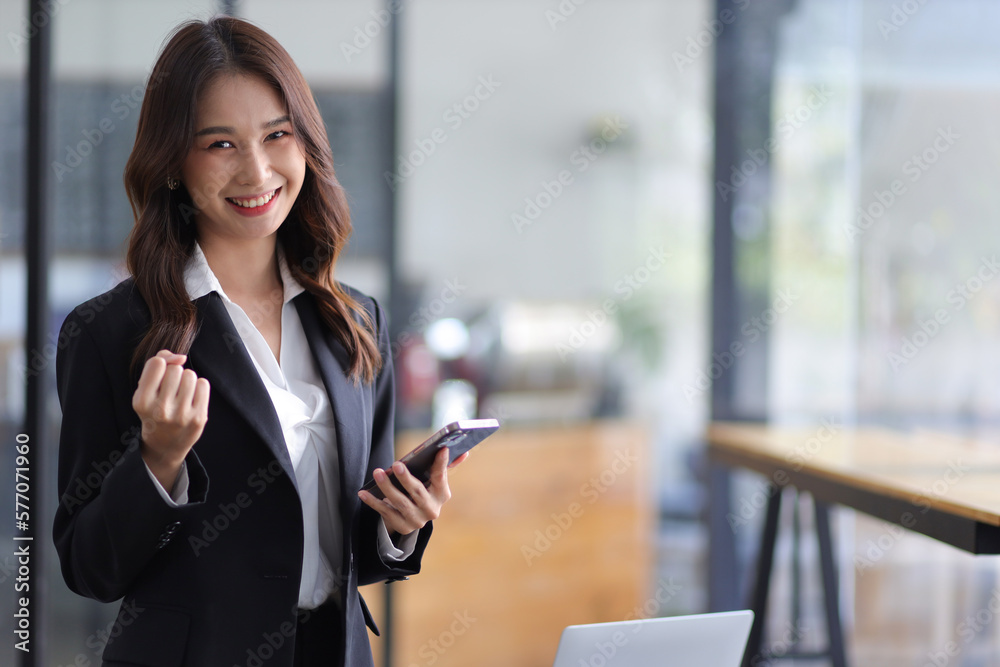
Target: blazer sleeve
111,521
372,567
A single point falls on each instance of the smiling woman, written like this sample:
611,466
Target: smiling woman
232,355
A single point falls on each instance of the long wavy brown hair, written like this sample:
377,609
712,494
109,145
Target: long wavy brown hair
316,229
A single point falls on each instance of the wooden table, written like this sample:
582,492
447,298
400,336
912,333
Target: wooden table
940,485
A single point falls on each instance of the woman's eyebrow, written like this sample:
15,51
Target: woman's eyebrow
222,129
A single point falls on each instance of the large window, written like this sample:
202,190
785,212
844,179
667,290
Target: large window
884,227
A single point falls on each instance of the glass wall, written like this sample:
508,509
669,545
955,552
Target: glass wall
883,228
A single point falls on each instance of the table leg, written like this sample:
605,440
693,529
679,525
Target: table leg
831,592
765,559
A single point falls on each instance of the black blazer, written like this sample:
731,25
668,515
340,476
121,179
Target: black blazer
214,582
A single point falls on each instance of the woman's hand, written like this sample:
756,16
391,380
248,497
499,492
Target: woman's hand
172,402
404,513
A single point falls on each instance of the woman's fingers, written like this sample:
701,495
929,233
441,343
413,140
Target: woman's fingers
427,499
407,511
459,460
171,380
149,383
439,476
185,389
394,521
172,357
172,402
153,373
415,489
393,496
202,392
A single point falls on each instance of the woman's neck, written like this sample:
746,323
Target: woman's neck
248,268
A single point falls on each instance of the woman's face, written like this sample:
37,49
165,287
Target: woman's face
245,168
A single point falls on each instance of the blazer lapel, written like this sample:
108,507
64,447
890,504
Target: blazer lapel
333,362
219,355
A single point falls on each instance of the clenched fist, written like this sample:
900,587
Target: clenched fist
172,402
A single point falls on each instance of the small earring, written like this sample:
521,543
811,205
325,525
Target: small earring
173,183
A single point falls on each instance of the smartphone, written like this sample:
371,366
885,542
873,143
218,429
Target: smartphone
459,437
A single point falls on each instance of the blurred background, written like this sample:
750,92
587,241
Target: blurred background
556,198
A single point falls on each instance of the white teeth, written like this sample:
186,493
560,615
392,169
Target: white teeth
254,203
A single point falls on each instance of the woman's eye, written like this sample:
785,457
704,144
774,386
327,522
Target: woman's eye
278,134
219,144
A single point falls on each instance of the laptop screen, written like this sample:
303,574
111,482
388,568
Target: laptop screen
704,640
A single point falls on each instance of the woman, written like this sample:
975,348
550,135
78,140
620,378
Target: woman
223,406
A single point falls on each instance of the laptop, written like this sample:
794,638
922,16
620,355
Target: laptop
703,640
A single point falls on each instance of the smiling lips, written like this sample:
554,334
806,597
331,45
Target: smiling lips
254,205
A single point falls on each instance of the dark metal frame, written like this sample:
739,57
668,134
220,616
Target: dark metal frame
723,582
743,77
37,260
831,592
395,300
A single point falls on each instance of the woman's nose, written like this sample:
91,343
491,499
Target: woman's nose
255,169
